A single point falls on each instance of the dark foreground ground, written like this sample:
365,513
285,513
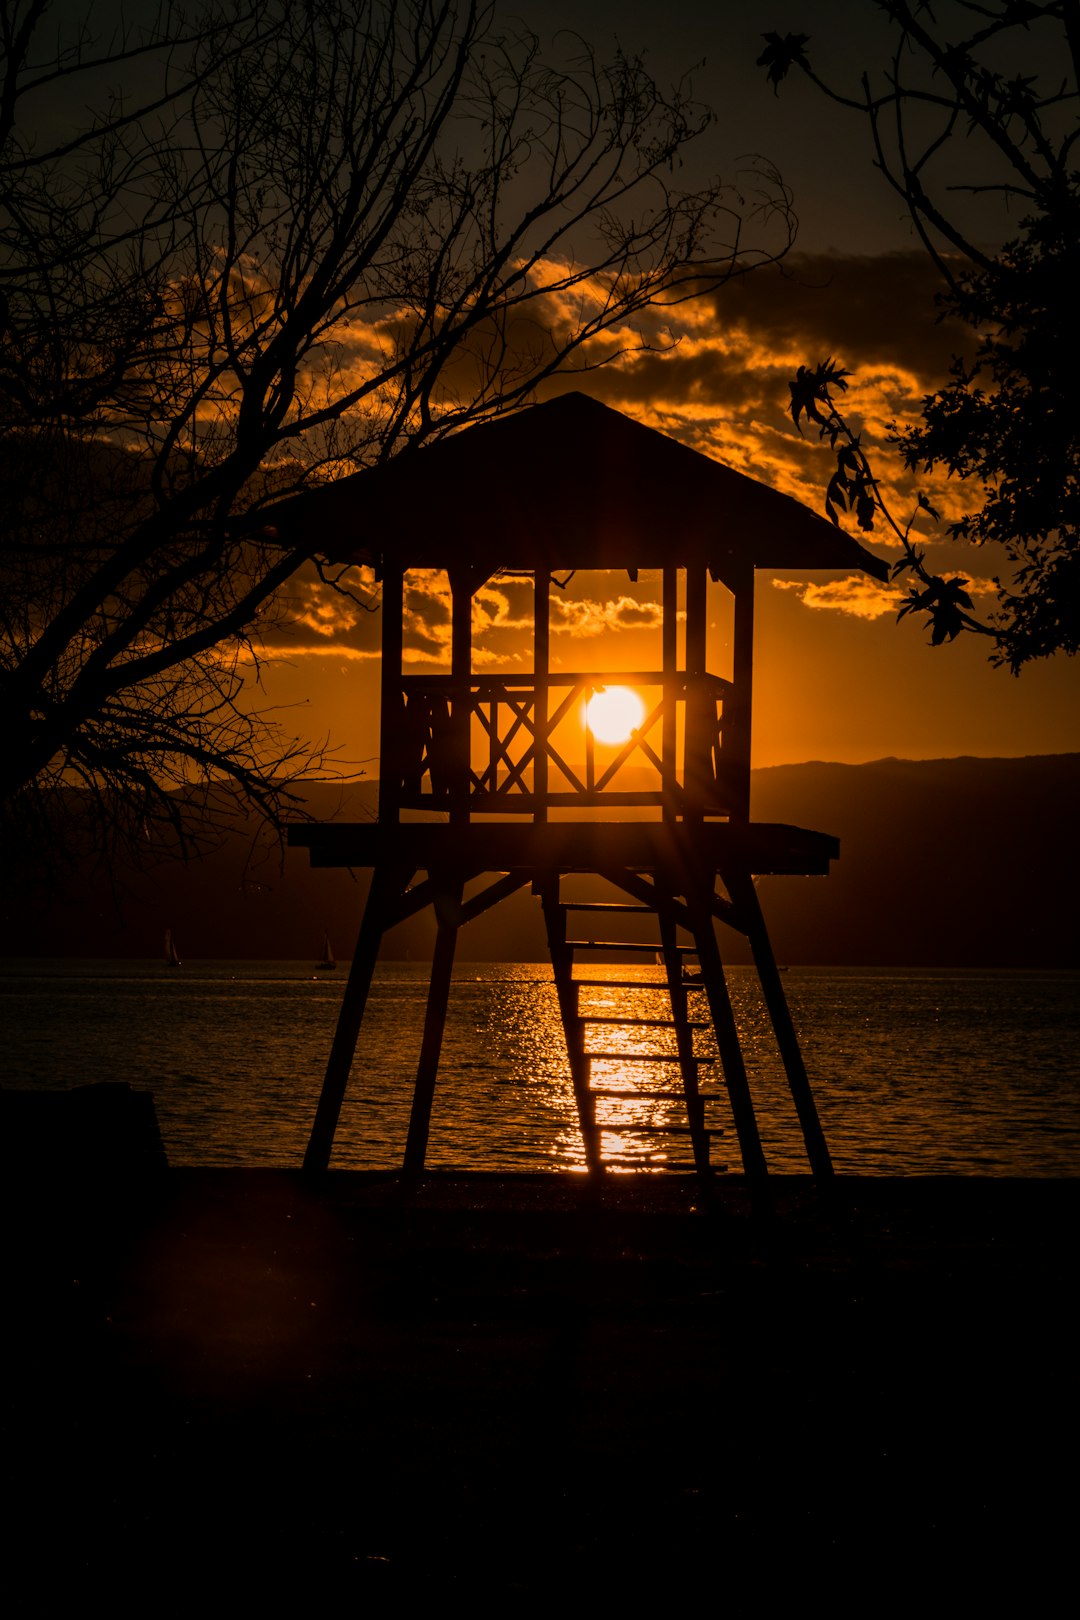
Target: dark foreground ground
237,1385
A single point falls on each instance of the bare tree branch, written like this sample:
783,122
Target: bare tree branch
308,237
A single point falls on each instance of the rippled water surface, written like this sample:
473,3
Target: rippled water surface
915,1072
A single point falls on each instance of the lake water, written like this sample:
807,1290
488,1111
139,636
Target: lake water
915,1072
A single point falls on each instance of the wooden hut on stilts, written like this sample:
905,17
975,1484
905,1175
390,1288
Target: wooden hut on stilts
572,485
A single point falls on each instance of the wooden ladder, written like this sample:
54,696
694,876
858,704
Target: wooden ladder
626,1099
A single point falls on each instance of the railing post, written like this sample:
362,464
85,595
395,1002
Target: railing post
460,734
697,739
735,753
541,670
669,745
392,706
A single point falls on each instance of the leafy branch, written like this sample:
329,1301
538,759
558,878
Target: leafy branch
948,115
854,490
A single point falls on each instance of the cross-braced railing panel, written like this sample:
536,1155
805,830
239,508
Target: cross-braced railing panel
488,743
503,723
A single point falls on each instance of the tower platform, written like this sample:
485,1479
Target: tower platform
760,848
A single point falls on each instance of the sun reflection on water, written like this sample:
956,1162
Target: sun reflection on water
914,1073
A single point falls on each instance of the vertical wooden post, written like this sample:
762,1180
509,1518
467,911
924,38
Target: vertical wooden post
669,731
727,1041
391,703
442,964
741,888
461,589
697,743
735,752
541,672
562,961
386,886
684,1035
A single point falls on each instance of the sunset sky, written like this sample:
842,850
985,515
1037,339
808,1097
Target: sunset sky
837,678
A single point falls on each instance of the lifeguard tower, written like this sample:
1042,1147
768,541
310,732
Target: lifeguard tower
489,784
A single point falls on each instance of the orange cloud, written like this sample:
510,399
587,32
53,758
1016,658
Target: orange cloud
864,598
713,373
721,386
856,595
585,617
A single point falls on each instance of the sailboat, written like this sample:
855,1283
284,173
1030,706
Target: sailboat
328,959
689,975
171,958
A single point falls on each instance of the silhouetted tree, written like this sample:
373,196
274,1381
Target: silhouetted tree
293,239
956,90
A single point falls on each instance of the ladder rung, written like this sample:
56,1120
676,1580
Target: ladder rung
651,1023
630,1128
644,1057
676,1166
635,1096
618,984
603,905
647,1161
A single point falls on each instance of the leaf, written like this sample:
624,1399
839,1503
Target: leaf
865,508
943,600
781,55
810,395
947,623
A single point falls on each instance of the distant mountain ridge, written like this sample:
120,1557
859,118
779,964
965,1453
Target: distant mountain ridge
948,862
944,863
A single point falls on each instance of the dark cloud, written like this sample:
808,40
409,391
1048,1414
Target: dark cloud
311,614
706,375
876,309
431,605
730,353
713,372
416,641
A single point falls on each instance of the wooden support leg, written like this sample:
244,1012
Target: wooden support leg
442,964
378,916
742,891
684,1035
562,961
727,1040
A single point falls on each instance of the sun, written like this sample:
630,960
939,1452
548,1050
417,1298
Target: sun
613,712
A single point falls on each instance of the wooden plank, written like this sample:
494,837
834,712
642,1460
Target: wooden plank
637,1094
564,846
616,984
649,1023
607,905
632,1128
642,1057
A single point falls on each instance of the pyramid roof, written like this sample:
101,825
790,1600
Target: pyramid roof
564,485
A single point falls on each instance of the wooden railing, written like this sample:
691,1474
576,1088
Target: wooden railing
517,746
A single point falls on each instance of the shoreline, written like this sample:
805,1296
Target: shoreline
494,1387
